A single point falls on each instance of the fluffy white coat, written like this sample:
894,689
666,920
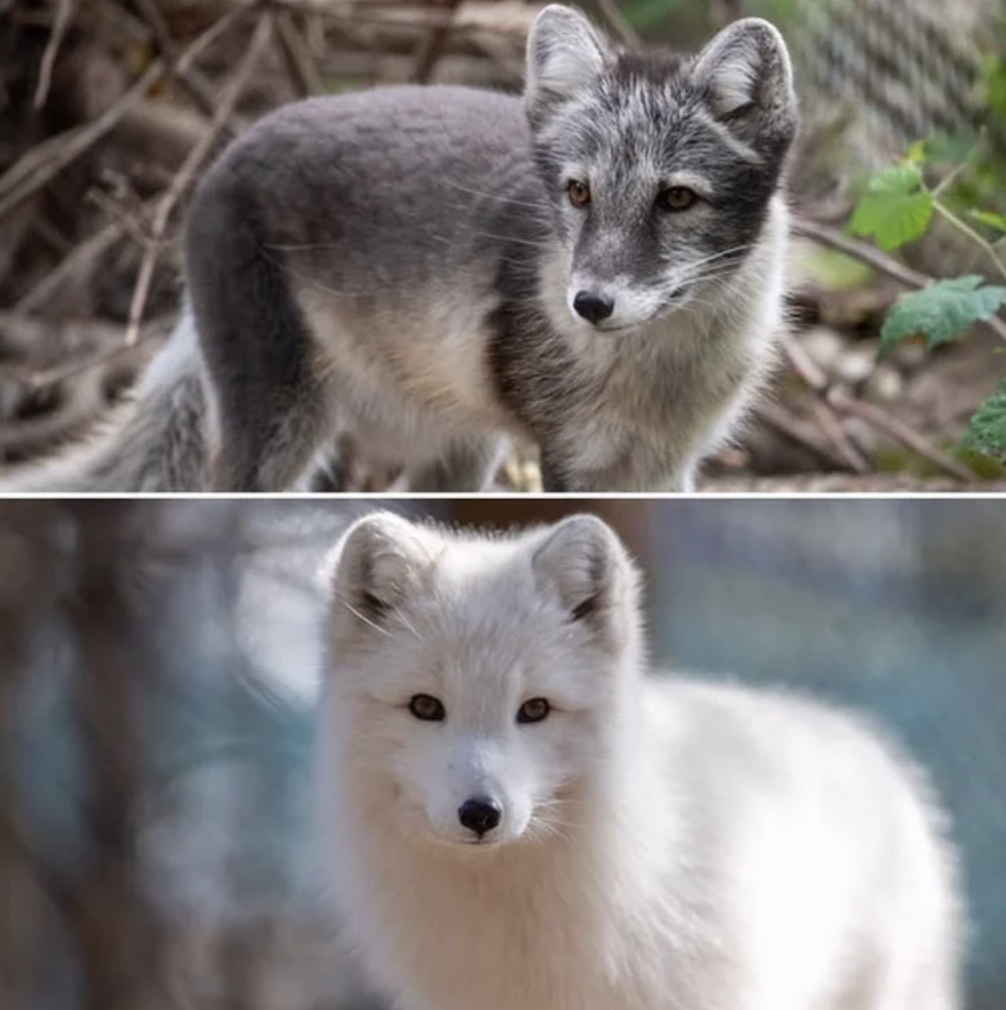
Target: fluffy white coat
665,844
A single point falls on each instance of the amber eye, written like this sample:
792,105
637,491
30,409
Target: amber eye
677,198
579,193
534,710
427,708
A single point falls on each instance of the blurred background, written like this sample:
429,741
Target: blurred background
111,109
158,668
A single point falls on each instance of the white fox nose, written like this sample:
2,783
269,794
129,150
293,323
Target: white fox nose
480,814
594,307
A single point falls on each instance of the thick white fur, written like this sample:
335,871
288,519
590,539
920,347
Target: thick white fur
665,845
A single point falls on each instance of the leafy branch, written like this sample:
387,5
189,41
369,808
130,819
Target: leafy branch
898,208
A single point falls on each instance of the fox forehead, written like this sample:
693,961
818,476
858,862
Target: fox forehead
485,654
481,683
640,139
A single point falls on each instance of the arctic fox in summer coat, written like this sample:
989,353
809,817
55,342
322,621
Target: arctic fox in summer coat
595,268
513,817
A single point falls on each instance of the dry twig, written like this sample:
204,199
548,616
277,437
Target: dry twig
64,15
431,48
41,164
90,249
185,176
875,416
194,86
806,368
303,73
803,433
881,262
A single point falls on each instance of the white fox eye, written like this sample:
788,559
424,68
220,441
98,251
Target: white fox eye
534,710
427,708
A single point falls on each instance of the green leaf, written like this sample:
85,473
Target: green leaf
941,311
951,148
986,217
986,431
897,180
894,210
893,220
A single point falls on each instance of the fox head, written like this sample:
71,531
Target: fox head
659,169
475,684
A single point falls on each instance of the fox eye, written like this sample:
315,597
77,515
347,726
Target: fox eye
427,708
534,710
677,198
579,193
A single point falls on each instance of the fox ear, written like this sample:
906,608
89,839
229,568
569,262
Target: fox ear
378,561
583,565
746,78
564,54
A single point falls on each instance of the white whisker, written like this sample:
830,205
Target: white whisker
363,617
538,205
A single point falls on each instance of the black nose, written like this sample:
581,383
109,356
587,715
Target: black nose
480,815
593,308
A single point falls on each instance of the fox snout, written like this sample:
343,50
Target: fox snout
593,306
481,797
612,304
480,815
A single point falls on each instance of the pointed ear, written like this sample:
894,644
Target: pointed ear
746,79
378,562
582,564
564,55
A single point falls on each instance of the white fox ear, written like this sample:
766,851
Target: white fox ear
378,561
583,565
747,80
564,54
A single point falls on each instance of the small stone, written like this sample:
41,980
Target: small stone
825,345
861,432
885,384
909,355
857,364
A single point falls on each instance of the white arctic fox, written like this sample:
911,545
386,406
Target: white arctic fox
513,817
